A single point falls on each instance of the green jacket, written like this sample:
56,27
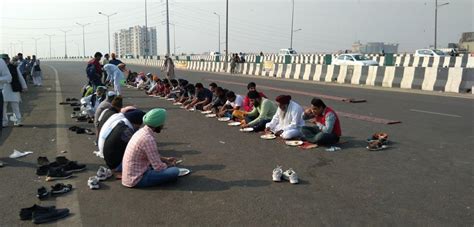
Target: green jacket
264,111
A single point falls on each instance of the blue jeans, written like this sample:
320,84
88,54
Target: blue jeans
153,178
312,134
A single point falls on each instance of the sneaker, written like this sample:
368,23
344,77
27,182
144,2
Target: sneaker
62,160
42,161
42,193
73,166
103,173
277,173
42,170
57,174
40,217
17,124
291,176
27,213
1,164
93,182
60,188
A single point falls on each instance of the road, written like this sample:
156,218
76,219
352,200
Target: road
425,178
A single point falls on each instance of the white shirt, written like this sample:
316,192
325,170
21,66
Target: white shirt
239,101
289,120
114,74
5,76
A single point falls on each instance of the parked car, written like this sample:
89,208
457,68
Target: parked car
286,52
429,53
216,54
354,59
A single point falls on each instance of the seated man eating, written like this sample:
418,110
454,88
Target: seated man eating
234,102
288,119
142,165
248,106
327,130
262,112
202,98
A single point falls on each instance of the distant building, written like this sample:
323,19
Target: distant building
467,41
374,48
131,41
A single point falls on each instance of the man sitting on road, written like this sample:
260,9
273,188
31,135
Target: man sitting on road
234,102
189,96
247,104
202,98
107,103
91,102
327,130
288,119
217,103
115,107
121,133
174,90
142,165
183,93
262,112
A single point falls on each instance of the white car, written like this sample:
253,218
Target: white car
286,52
353,59
429,53
216,54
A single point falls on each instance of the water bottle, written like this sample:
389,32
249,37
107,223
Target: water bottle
333,148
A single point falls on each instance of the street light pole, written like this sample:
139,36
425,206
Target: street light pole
49,43
292,20
219,30
36,45
167,29
65,42
83,36
108,24
436,22
226,32
146,32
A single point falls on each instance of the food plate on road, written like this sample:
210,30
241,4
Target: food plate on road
268,136
191,110
170,99
236,123
246,129
223,119
177,104
179,161
294,143
183,172
206,112
210,115
182,107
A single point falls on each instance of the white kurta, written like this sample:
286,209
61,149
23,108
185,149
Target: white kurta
8,94
116,76
289,121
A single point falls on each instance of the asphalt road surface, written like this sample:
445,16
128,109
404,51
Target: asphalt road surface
426,177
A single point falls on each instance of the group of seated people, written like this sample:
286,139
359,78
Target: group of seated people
125,135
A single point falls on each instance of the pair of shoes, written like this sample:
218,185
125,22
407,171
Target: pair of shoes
104,173
289,175
93,182
42,161
41,214
67,165
56,190
57,174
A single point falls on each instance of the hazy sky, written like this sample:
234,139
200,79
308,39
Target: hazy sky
254,26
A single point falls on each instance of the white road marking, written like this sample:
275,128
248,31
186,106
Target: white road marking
70,200
429,112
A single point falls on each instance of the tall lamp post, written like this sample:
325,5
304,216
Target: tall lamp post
83,37
49,36
219,30
226,32
436,21
108,24
36,45
292,21
65,42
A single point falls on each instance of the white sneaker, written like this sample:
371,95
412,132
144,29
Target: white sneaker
93,182
291,176
103,173
277,173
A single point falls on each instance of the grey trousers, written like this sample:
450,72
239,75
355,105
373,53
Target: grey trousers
312,134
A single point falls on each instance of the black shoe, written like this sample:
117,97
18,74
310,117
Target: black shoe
49,216
75,104
60,188
42,193
42,161
74,100
68,99
73,128
76,109
62,160
42,170
73,166
57,174
27,213
80,130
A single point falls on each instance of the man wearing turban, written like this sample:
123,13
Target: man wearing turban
288,119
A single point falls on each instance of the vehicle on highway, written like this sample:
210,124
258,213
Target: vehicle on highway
286,52
216,53
429,53
354,59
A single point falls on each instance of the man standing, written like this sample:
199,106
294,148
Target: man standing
22,66
5,78
168,67
36,73
104,62
94,70
11,92
115,76
142,165
327,130
288,119
114,60
262,112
